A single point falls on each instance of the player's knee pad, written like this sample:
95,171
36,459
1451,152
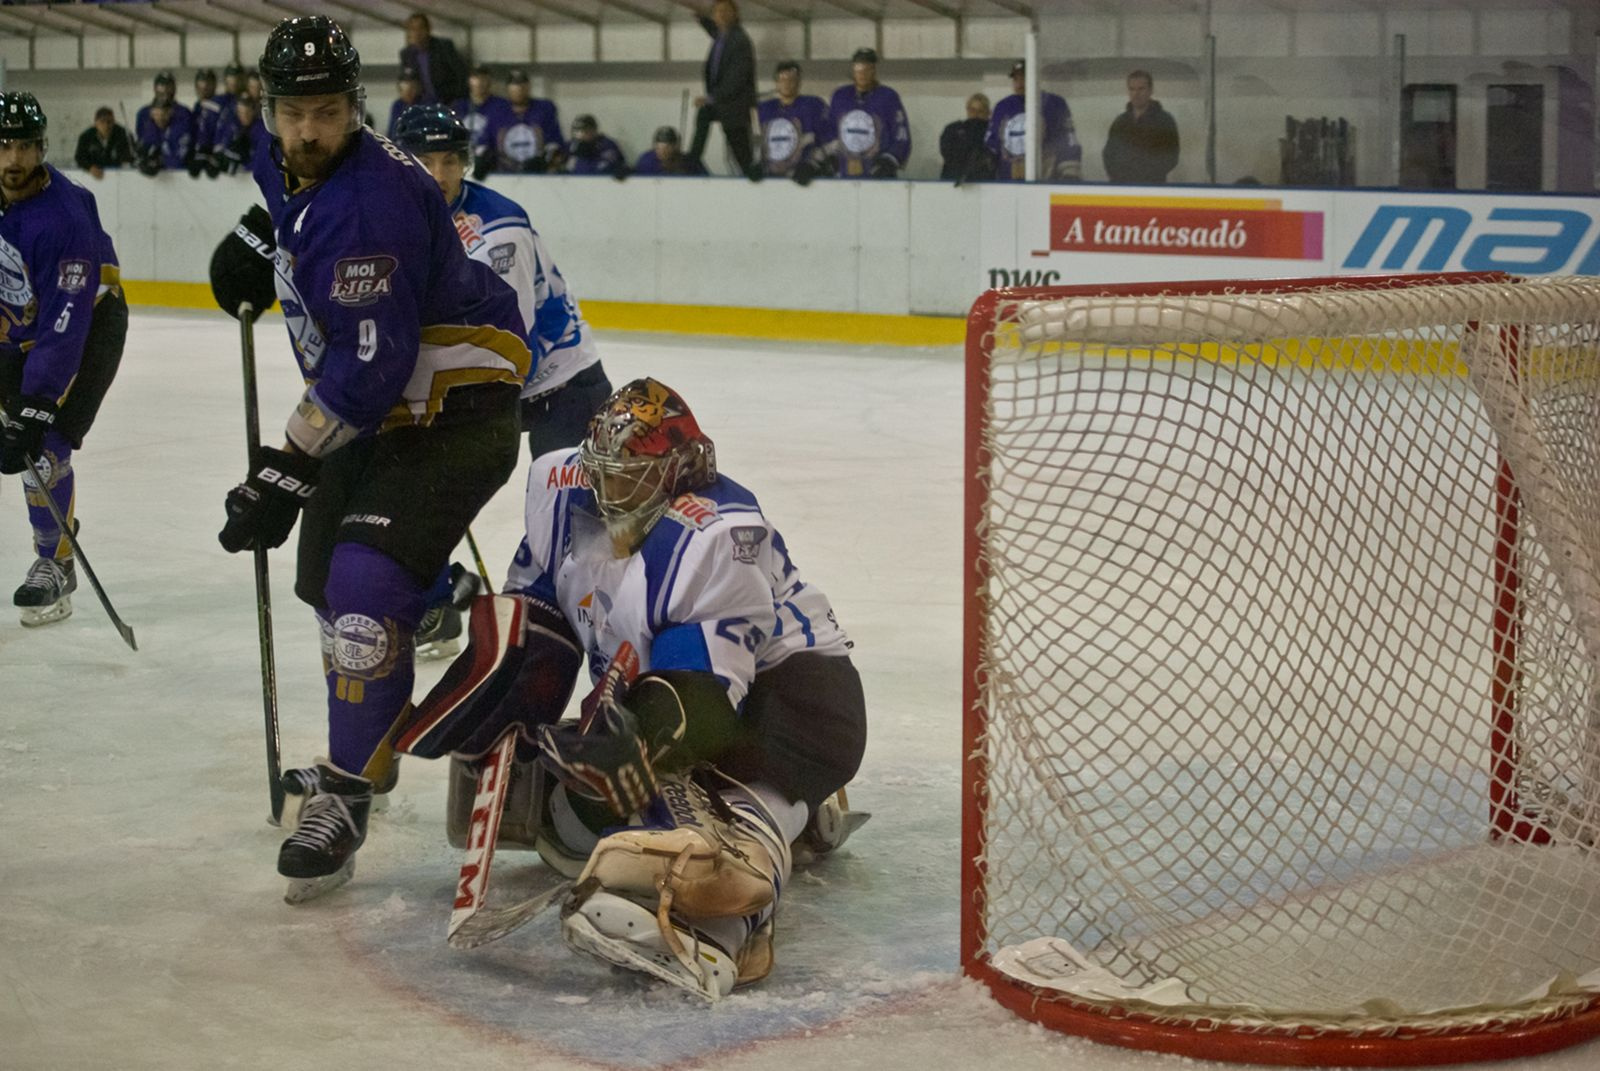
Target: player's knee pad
702,859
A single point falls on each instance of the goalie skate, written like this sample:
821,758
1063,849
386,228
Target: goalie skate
45,597
618,931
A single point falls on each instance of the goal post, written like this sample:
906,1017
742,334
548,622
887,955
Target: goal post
1282,665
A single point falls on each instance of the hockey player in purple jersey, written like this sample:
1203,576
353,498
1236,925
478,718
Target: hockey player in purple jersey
62,324
414,357
1060,153
475,110
207,112
167,143
872,136
592,153
524,137
241,137
794,128
665,157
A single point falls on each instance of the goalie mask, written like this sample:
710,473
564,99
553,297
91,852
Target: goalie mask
643,450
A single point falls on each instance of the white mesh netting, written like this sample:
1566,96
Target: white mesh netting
1239,648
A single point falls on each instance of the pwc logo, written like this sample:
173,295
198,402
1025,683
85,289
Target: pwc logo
1421,237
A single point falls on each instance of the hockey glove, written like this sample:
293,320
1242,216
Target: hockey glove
804,172
755,172
885,166
24,432
608,761
262,510
241,268
197,164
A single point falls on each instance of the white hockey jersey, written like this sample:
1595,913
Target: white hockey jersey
712,587
495,230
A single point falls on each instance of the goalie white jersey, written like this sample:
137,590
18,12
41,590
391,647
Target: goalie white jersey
711,588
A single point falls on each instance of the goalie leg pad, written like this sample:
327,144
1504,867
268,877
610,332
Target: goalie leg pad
699,862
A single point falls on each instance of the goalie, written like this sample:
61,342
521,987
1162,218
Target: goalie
677,796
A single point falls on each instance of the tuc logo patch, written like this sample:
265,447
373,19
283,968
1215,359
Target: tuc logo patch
360,281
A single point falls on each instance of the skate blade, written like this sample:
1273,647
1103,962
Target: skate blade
302,890
437,649
35,616
654,959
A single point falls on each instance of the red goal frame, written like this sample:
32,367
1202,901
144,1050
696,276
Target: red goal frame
1220,1040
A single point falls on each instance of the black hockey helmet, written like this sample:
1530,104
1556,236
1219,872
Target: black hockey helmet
307,56
431,128
21,118
310,56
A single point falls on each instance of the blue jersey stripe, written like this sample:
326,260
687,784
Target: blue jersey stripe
681,647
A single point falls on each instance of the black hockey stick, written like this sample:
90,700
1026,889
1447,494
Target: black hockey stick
269,673
77,552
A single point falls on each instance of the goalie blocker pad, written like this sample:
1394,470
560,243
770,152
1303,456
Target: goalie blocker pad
517,672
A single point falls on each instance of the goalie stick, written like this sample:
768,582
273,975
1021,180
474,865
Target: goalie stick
472,923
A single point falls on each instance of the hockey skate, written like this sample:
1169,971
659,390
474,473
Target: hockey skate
623,933
828,827
439,635
45,597
301,783
320,855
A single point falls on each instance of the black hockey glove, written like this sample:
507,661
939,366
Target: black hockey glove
197,164
885,166
150,163
608,761
755,172
241,268
804,172
24,432
262,510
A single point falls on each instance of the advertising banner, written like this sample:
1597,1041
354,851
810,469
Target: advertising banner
1066,236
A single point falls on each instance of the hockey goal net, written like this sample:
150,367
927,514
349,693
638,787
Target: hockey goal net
1282,736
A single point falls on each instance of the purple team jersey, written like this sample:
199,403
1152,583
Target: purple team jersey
868,125
175,143
516,139
55,262
384,310
792,132
1060,154
602,156
477,117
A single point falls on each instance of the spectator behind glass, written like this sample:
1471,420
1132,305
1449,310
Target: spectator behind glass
104,146
207,112
1142,146
730,94
591,152
442,70
1060,153
961,145
664,157
873,137
408,91
794,128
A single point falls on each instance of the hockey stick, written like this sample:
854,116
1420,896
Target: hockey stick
77,552
471,923
477,558
269,672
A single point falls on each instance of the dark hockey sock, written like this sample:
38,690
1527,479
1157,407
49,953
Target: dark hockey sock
374,605
56,465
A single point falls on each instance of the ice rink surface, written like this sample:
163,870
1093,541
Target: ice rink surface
143,923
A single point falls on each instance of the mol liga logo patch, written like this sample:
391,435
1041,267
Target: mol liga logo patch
361,281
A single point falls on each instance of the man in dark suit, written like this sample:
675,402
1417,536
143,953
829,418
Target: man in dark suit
443,71
730,86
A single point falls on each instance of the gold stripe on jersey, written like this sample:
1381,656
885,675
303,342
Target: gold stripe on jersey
110,279
422,412
504,344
